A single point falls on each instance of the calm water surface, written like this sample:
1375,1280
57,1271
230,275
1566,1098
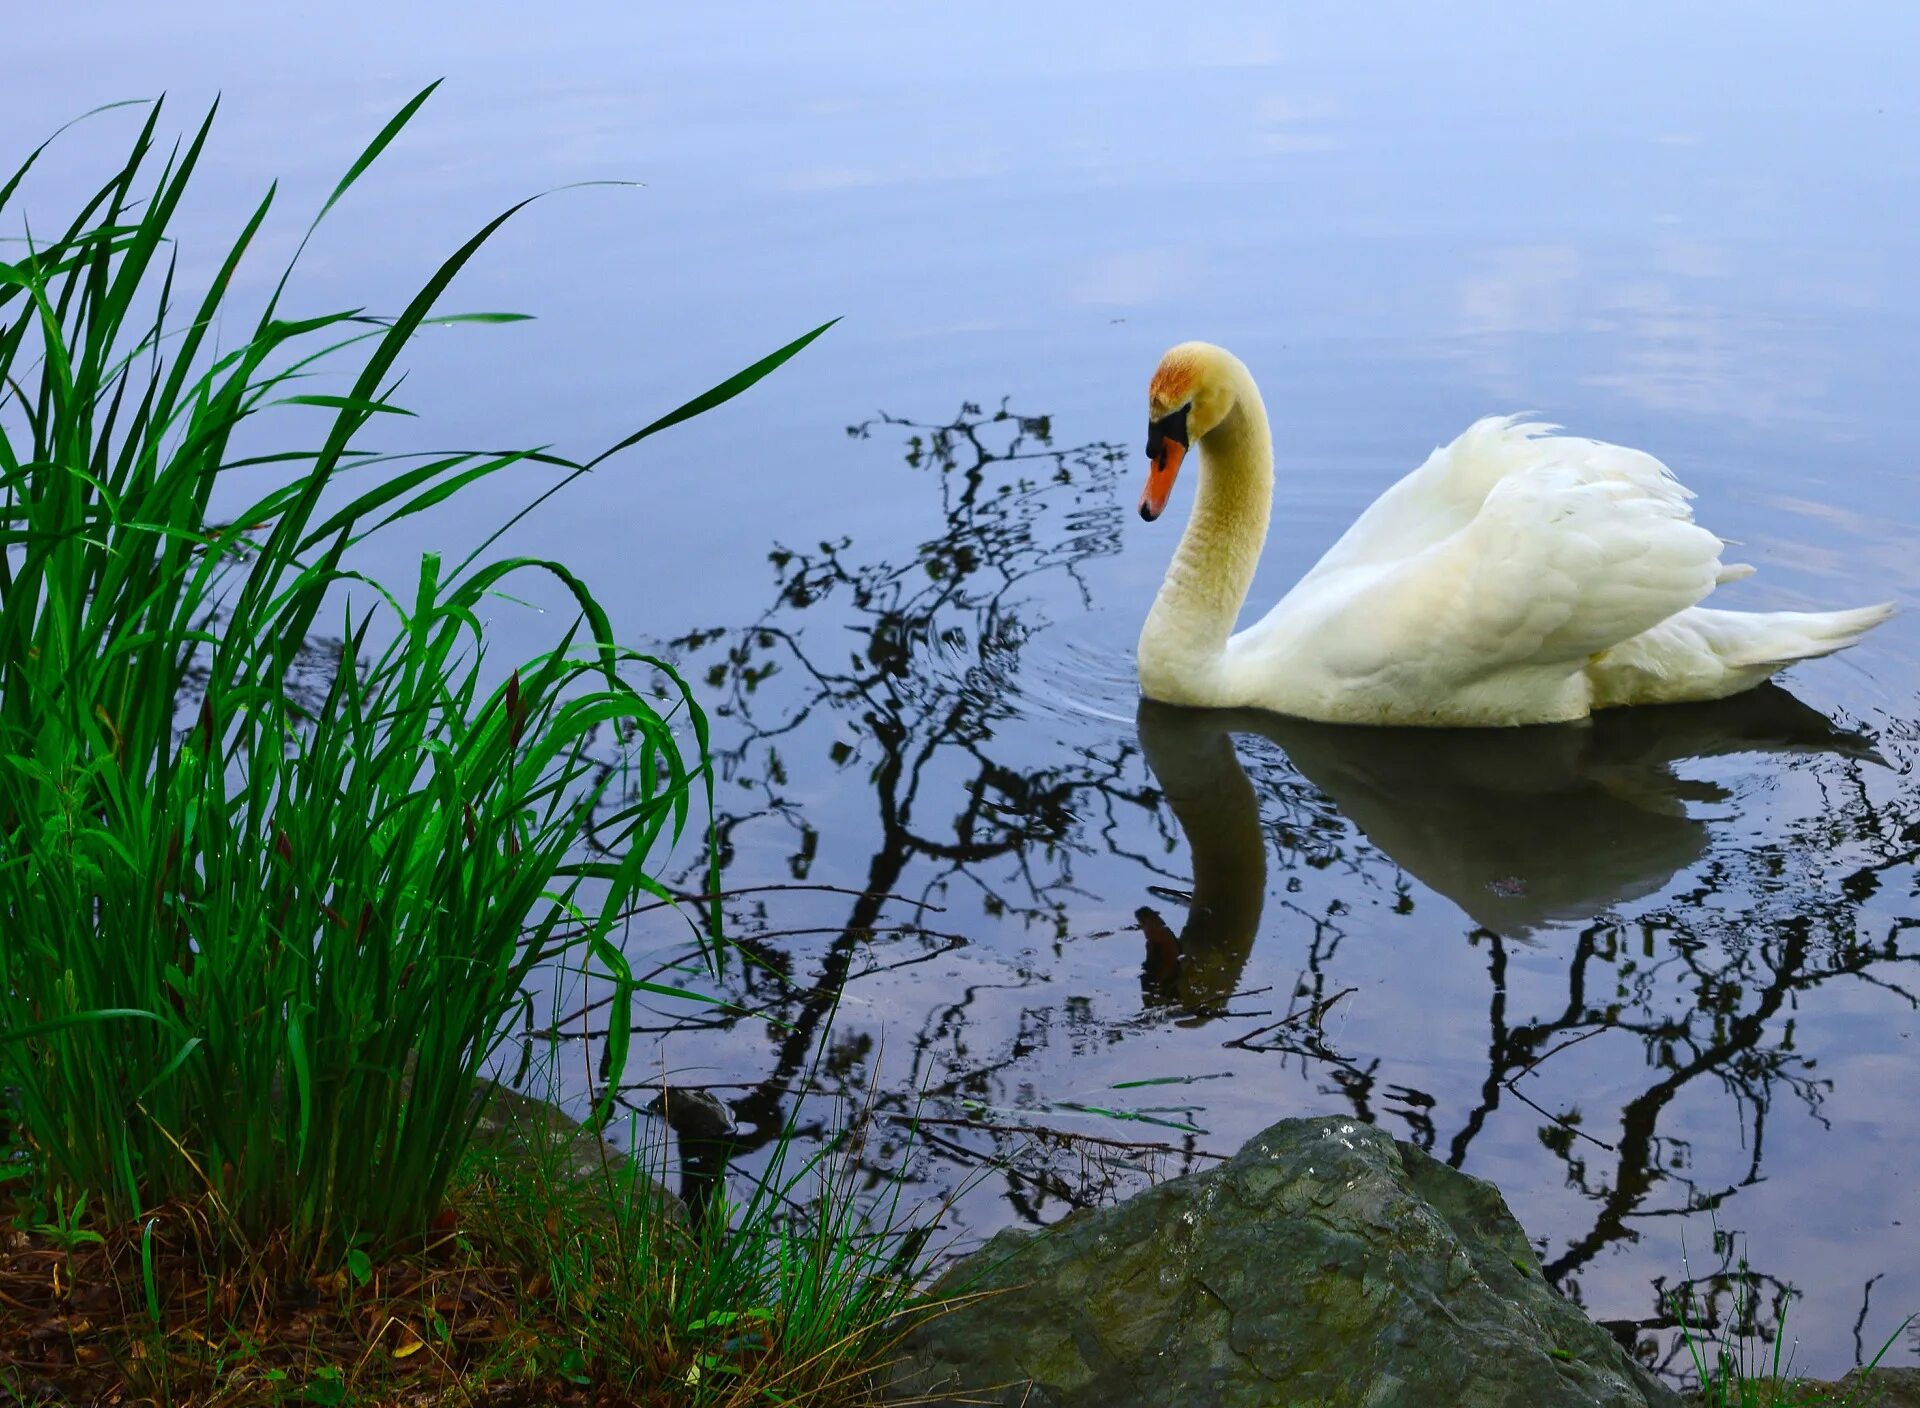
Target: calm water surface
1654,977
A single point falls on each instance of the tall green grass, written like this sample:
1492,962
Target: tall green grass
256,944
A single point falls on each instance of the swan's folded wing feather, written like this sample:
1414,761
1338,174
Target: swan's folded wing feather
1563,560
1442,495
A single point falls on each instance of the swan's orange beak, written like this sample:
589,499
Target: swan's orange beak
1166,464
1166,447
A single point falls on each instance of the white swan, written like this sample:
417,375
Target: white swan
1517,577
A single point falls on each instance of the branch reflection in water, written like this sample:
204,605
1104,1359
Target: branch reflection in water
1527,829
915,710
923,724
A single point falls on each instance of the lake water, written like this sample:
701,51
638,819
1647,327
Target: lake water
1693,233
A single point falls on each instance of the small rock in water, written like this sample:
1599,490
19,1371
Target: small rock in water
1871,1388
693,1114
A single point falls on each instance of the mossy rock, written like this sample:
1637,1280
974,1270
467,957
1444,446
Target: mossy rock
1324,1266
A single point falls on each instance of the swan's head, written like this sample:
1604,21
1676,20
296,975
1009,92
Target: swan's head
1191,393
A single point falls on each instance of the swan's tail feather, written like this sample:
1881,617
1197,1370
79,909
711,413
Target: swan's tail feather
1704,654
1778,638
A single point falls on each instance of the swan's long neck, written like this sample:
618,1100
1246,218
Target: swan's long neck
1185,637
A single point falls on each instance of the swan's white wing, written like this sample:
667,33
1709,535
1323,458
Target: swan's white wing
1444,493
1560,564
1583,547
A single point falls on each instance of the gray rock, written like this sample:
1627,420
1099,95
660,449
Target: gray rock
1324,1266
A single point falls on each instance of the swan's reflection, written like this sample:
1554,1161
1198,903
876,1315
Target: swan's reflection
1521,828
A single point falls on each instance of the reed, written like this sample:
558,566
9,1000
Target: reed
258,940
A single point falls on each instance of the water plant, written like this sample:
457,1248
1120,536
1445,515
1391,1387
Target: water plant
260,924
1741,1369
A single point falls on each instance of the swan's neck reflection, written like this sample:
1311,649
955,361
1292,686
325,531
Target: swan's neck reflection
1191,753
1518,828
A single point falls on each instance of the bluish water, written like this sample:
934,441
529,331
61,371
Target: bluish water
1694,233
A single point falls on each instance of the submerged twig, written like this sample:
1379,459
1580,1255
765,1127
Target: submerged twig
1568,1125
1137,1145
1311,1014
687,897
679,897
949,943
1532,1065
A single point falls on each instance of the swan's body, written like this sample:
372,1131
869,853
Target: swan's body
1516,577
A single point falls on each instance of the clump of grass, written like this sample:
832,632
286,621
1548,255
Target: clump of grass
793,1296
1743,1370
256,942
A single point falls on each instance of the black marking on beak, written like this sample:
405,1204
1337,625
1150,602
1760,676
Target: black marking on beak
1169,427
